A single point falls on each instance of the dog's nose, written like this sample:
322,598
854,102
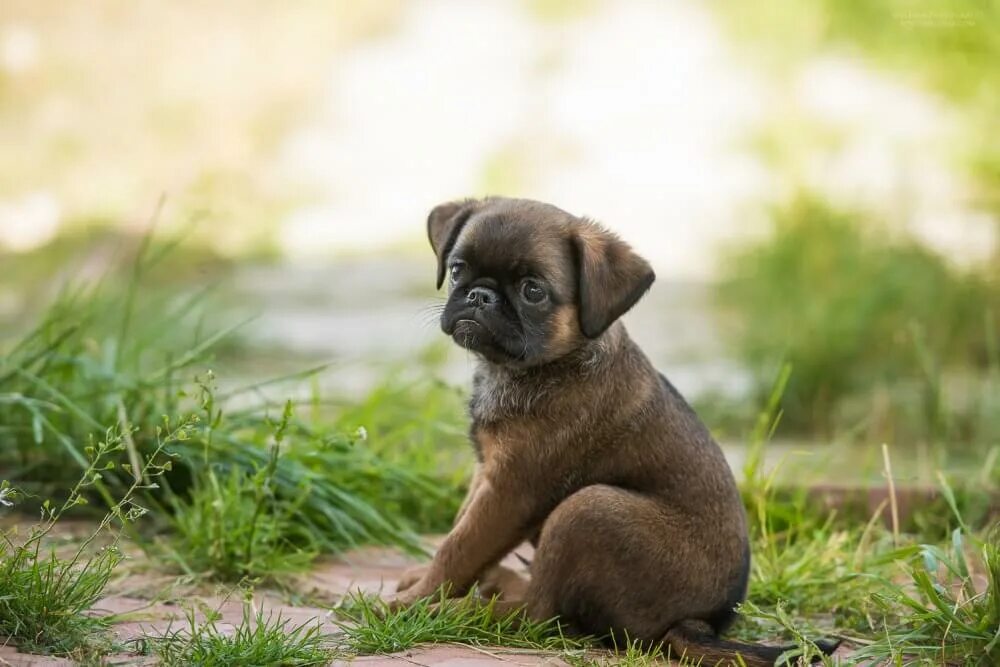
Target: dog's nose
481,296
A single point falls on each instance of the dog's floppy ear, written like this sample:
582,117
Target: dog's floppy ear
443,226
611,277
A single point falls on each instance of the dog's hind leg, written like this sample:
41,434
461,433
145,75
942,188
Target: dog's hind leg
613,560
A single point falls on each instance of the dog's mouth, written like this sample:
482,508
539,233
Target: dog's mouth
473,334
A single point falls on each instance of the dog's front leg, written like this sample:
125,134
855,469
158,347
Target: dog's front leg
414,574
494,522
477,476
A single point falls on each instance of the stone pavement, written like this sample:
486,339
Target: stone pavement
152,604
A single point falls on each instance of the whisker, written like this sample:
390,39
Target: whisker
429,314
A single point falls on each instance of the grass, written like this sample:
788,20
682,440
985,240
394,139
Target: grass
633,654
943,614
369,627
44,596
897,345
333,479
252,488
805,562
233,526
889,595
900,599
803,634
258,639
105,357
419,424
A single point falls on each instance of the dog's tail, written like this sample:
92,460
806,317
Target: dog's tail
695,640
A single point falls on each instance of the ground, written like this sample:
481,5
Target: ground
152,603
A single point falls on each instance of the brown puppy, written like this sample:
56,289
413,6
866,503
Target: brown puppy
583,447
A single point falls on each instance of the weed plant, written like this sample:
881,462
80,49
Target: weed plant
247,494
631,654
44,596
233,525
814,574
804,561
419,425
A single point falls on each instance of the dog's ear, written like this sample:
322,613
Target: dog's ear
611,278
443,226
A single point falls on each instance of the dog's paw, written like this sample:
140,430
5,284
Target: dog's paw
403,600
503,583
410,577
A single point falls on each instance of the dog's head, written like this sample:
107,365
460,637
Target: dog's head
528,282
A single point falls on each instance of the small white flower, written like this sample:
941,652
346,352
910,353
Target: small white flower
362,433
4,494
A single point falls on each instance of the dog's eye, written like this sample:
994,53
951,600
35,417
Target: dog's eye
456,272
532,292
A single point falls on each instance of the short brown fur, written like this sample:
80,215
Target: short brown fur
583,447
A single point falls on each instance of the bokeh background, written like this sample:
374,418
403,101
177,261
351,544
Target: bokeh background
816,183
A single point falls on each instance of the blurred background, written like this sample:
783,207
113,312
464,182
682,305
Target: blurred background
816,183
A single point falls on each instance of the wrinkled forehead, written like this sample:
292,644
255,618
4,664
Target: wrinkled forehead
512,243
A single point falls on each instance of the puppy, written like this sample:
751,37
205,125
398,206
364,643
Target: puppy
583,448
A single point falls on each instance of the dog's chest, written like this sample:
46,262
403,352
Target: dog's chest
498,398
511,446
509,431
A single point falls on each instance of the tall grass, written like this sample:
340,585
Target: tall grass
419,425
860,314
233,525
804,562
898,595
104,356
251,489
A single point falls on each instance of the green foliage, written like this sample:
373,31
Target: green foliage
43,595
369,626
419,425
809,570
851,309
803,565
806,651
945,614
43,599
631,654
816,570
106,357
258,640
234,526
257,489
100,356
